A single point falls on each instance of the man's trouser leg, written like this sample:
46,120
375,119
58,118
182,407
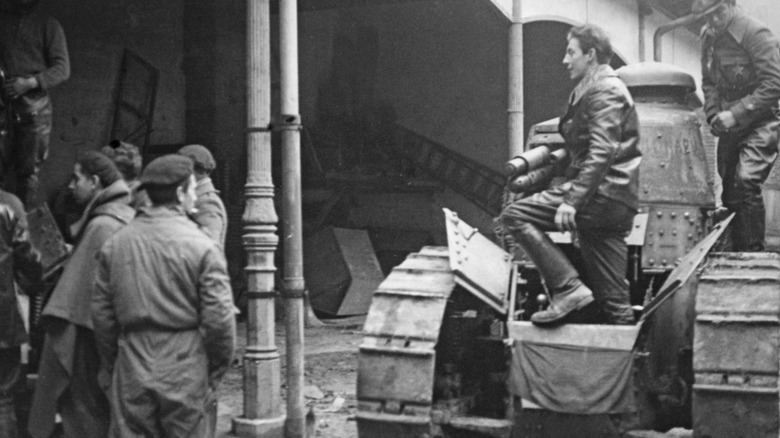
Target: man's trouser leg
84,407
526,219
31,147
744,163
10,375
602,227
171,398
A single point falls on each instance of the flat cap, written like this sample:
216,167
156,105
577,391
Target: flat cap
167,170
200,156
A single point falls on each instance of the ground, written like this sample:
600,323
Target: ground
330,376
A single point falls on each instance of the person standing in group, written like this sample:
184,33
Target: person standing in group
599,198
127,158
166,337
34,59
68,371
19,263
740,65
209,211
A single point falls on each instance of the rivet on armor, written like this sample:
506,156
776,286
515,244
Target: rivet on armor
659,214
687,214
674,214
651,262
663,262
660,232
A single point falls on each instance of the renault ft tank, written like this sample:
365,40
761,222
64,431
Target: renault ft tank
442,354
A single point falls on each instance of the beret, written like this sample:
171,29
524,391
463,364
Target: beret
167,170
199,155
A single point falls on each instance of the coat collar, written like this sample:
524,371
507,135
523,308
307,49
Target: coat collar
167,210
116,192
206,185
591,77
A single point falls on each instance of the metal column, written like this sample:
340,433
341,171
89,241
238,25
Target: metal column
262,379
293,283
515,111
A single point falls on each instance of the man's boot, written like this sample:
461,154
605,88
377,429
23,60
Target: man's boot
569,294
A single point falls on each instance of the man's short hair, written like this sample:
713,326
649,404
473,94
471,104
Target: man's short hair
126,156
593,37
94,163
161,195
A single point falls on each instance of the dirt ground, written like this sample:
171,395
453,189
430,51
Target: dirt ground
330,377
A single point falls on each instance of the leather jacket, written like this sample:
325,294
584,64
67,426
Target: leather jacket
18,260
601,130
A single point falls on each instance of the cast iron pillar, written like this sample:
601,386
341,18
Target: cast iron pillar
293,284
262,379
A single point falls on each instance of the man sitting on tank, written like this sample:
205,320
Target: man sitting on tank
598,199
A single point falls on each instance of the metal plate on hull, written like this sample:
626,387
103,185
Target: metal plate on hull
480,266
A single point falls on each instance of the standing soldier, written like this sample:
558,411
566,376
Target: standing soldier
34,59
162,312
741,83
68,371
209,210
18,261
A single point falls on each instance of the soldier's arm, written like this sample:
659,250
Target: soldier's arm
209,220
104,322
711,96
27,260
217,322
57,58
764,53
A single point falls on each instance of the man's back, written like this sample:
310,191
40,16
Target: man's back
157,265
163,288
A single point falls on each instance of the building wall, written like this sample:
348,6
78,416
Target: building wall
97,31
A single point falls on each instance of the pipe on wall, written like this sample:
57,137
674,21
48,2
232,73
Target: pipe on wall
515,111
674,24
294,288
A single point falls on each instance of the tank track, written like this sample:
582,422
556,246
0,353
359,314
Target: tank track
396,361
736,348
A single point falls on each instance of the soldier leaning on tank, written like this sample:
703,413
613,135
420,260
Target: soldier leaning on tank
741,83
18,261
598,199
34,59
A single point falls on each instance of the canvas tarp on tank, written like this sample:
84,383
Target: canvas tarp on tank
577,369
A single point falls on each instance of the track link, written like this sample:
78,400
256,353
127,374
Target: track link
396,362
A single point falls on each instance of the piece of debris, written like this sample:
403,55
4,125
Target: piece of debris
312,392
336,405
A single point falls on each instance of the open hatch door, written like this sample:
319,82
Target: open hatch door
480,266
